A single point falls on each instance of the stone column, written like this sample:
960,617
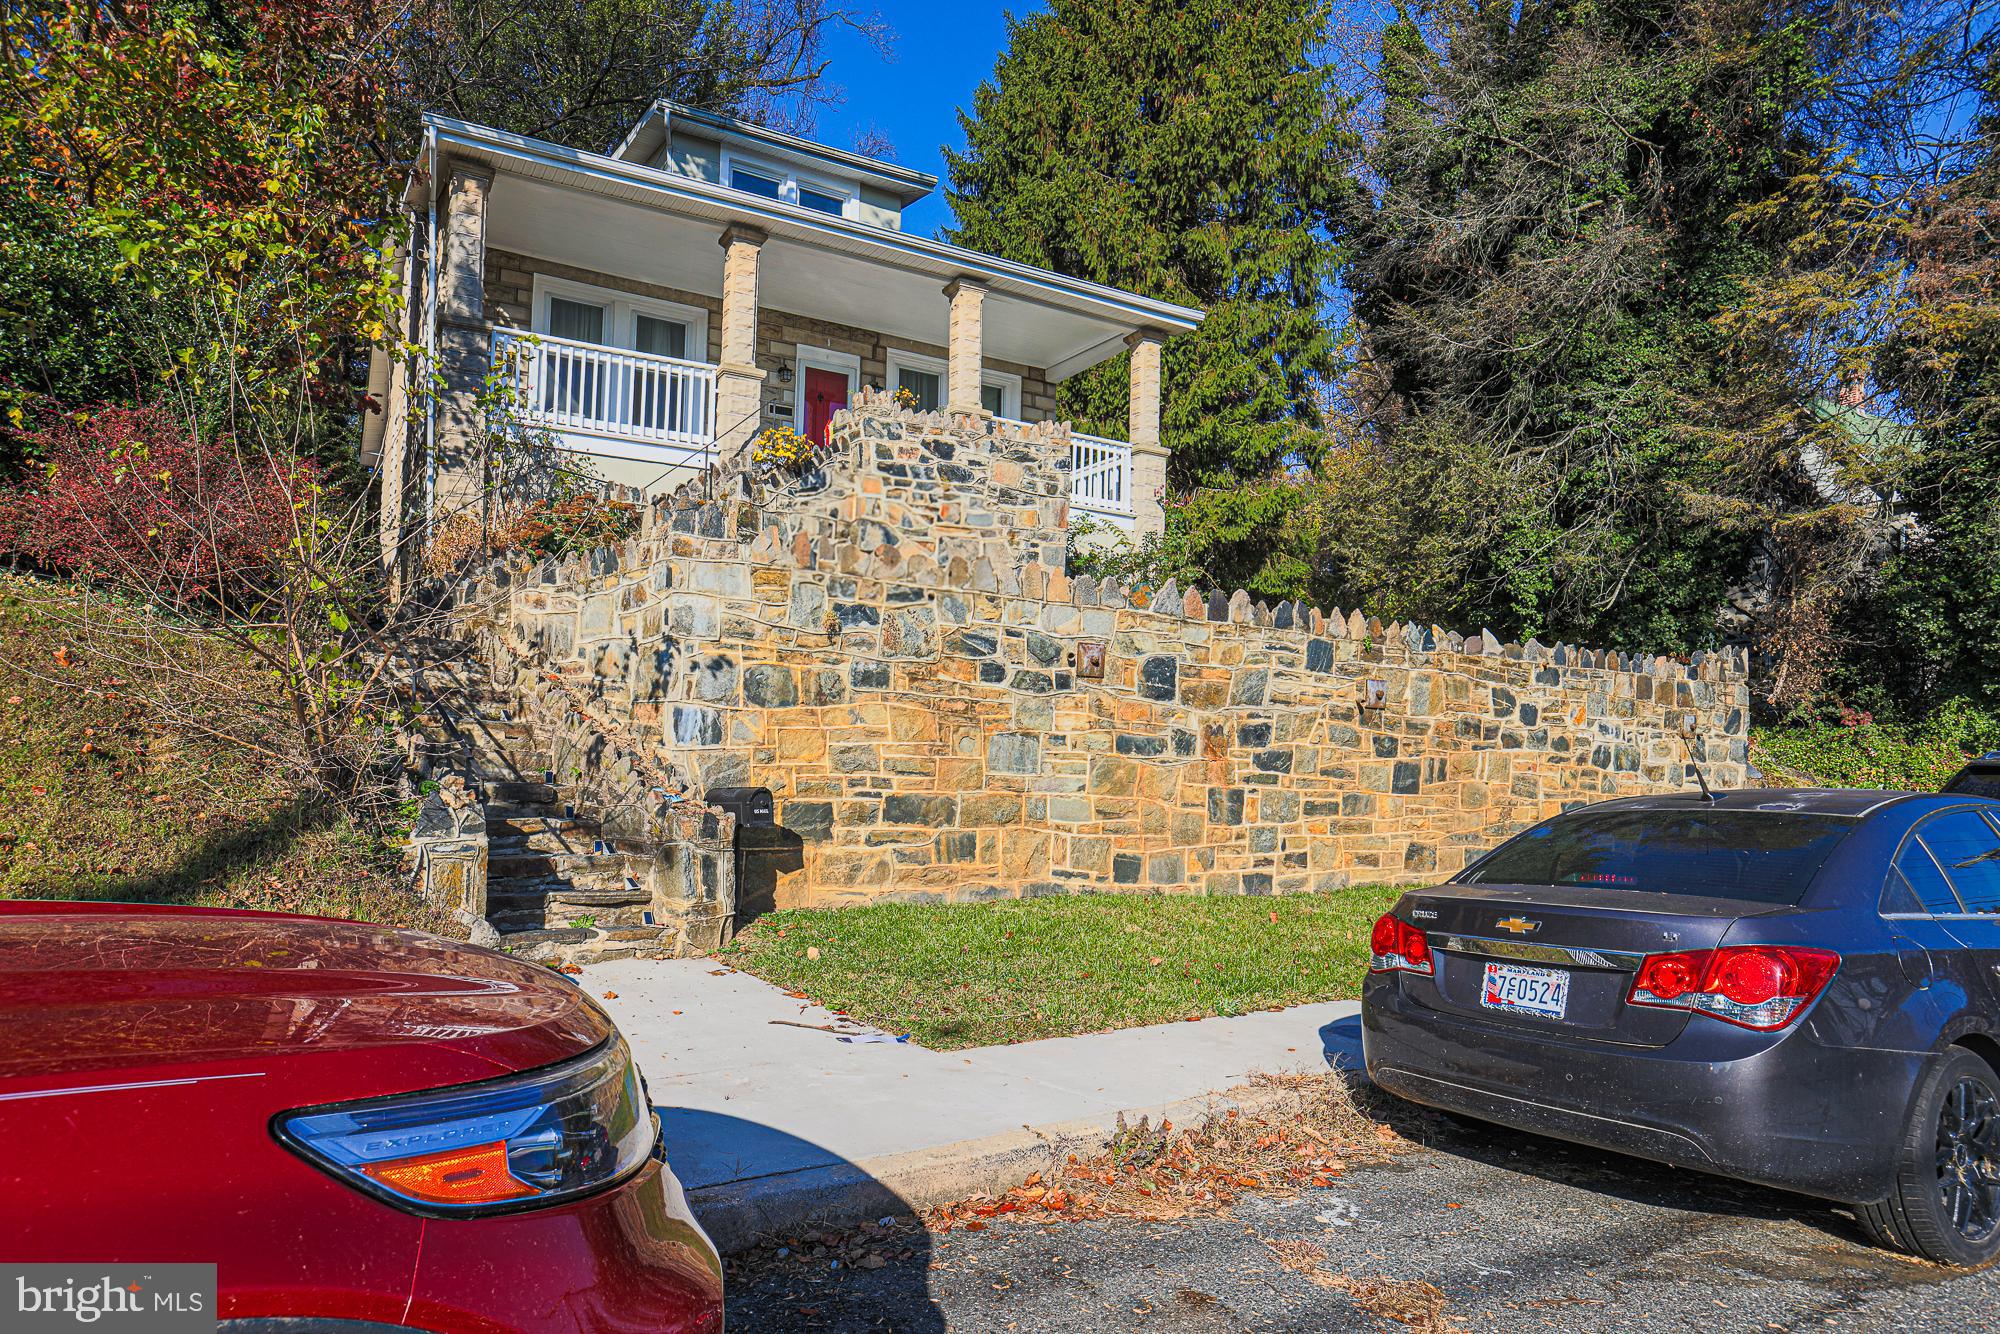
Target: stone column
463,345
739,385
965,346
1149,457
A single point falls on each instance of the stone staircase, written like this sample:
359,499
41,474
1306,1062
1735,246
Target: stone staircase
557,889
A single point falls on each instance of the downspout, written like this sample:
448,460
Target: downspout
430,332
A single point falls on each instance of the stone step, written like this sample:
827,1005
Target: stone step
488,767
526,828
555,886
555,917
509,897
522,794
513,812
578,840
515,935
595,866
574,947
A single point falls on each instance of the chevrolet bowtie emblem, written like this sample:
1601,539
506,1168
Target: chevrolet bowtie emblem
1520,926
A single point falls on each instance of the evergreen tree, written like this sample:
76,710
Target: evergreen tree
1191,150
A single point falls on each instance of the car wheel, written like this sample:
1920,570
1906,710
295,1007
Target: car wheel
1946,1202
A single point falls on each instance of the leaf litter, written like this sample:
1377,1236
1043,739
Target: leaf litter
1319,1127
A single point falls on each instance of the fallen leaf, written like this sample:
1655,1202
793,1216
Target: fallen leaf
611,995
812,951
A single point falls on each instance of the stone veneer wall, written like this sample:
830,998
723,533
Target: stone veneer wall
892,647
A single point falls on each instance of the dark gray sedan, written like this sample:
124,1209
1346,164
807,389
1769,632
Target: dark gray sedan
1794,987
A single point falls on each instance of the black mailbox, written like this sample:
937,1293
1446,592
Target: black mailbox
765,850
752,806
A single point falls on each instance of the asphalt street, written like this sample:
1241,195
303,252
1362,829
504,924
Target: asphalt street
1518,1233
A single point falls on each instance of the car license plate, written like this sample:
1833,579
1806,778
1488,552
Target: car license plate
1543,991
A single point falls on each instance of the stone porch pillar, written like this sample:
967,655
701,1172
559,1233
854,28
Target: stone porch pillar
965,346
1149,457
739,385
463,345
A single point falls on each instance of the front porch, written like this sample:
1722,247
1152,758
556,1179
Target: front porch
643,408
654,324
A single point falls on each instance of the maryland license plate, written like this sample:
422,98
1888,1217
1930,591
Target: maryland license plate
1542,991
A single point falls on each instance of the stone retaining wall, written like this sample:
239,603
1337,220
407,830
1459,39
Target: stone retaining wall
891,645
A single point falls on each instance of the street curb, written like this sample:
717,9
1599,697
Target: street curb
739,1214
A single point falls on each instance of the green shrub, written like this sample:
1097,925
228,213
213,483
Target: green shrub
1854,750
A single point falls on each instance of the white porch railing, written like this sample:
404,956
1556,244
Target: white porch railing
1100,475
563,385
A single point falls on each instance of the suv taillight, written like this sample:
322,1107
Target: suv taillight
1397,947
1763,987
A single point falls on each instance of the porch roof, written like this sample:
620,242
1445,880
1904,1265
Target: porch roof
815,264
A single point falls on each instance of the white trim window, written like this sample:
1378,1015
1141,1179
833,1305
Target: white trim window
585,314
789,185
925,378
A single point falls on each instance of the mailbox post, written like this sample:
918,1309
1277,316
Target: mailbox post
763,848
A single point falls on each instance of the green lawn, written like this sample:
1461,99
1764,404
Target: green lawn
98,800
976,974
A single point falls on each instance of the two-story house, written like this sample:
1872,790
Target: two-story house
653,308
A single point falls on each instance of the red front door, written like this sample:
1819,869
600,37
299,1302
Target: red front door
826,392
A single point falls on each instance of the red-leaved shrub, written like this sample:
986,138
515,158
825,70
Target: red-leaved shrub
130,496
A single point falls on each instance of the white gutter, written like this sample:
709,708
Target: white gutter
782,219
430,332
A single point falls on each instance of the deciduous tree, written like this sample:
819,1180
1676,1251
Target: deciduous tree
1194,152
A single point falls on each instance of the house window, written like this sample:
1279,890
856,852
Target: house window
578,321
824,202
927,387
924,378
662,338
582,313
756,183
769,180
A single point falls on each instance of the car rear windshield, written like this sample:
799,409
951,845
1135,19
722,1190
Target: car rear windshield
1763,856
1976,781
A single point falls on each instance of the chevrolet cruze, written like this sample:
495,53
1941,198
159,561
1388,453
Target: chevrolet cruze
1797,988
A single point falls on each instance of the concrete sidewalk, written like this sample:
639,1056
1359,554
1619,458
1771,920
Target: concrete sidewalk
770,1125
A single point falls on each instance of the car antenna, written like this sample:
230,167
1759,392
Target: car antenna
1687,744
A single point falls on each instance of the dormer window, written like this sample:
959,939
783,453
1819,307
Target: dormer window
756,183
822,200
769,180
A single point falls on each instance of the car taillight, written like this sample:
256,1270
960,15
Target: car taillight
1396,946
1755,986
527,1140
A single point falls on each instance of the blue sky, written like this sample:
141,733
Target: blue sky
943,50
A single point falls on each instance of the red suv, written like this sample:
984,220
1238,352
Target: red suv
360,1127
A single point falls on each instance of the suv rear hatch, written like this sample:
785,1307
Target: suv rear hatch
1547,932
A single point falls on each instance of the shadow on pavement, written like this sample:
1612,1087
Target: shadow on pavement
840,1249
1586,1168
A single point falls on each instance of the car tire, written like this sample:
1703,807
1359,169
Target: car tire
1945,1205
